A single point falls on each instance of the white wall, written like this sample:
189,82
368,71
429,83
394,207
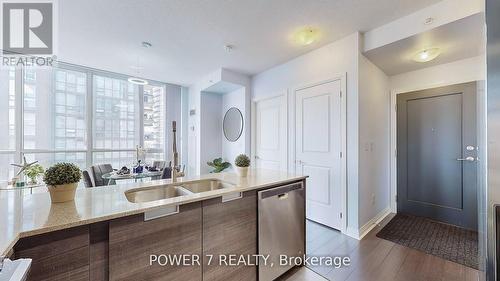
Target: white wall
334,59
185,126
203,133
193,159
462,71
374,143
211,129
232,149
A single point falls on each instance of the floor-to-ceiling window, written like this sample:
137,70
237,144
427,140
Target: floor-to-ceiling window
80,115
116,121
54,116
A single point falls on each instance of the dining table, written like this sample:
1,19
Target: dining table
114,176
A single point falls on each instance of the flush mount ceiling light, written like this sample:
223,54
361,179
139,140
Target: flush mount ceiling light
426,55
136,80
307,36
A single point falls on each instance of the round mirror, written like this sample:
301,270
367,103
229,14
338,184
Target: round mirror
233,124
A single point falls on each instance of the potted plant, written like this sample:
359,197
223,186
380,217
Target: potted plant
62,180
242,162
218,165
32,172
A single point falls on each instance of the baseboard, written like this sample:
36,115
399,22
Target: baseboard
352,232
365,229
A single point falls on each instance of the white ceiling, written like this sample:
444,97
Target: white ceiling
457,40
188,35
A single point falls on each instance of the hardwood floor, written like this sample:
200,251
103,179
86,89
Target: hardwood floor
375,259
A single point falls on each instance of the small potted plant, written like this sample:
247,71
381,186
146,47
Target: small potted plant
32,172
62,180
218,165
242,162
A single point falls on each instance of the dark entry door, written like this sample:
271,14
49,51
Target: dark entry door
437,154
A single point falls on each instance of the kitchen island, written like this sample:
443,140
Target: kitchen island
122,232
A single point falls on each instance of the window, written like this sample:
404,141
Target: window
116,114
57,119
116,121
54,116
7,122
154,121
47,159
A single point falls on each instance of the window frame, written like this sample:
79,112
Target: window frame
20,151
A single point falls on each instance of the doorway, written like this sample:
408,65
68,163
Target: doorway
437,154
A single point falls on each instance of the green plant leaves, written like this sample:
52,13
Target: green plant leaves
218,165
242,161
62,173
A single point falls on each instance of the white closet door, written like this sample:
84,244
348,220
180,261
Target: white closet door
271,134
318,148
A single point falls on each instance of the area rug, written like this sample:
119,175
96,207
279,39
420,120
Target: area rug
442,240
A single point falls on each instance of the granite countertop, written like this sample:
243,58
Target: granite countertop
28,215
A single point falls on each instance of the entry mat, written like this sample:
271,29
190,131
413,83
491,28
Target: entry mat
442,240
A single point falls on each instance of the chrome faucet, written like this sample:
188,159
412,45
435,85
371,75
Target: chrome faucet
176,169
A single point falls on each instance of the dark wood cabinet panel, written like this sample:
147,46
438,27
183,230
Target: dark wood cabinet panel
59,255
132,240
99,252
229,228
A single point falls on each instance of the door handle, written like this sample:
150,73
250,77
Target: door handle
468,159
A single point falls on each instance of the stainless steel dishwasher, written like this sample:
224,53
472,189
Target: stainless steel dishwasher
281,227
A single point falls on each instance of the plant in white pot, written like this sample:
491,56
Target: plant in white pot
242,162
33,172
62,180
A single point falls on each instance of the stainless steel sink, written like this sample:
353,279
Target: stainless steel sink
154,193
172,190
205,185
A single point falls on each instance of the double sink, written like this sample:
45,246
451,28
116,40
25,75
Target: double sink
172,190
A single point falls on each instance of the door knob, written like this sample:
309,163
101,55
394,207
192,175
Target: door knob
469,159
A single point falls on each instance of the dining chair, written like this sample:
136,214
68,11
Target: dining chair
98,171
167,173
86,179
160,164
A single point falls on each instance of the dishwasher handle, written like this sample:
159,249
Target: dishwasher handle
281,191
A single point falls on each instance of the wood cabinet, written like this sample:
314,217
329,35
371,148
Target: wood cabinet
120,249
132,240
229,228
59,255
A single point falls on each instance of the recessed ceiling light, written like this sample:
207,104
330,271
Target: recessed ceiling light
137,81
426,55
429,20
307,36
